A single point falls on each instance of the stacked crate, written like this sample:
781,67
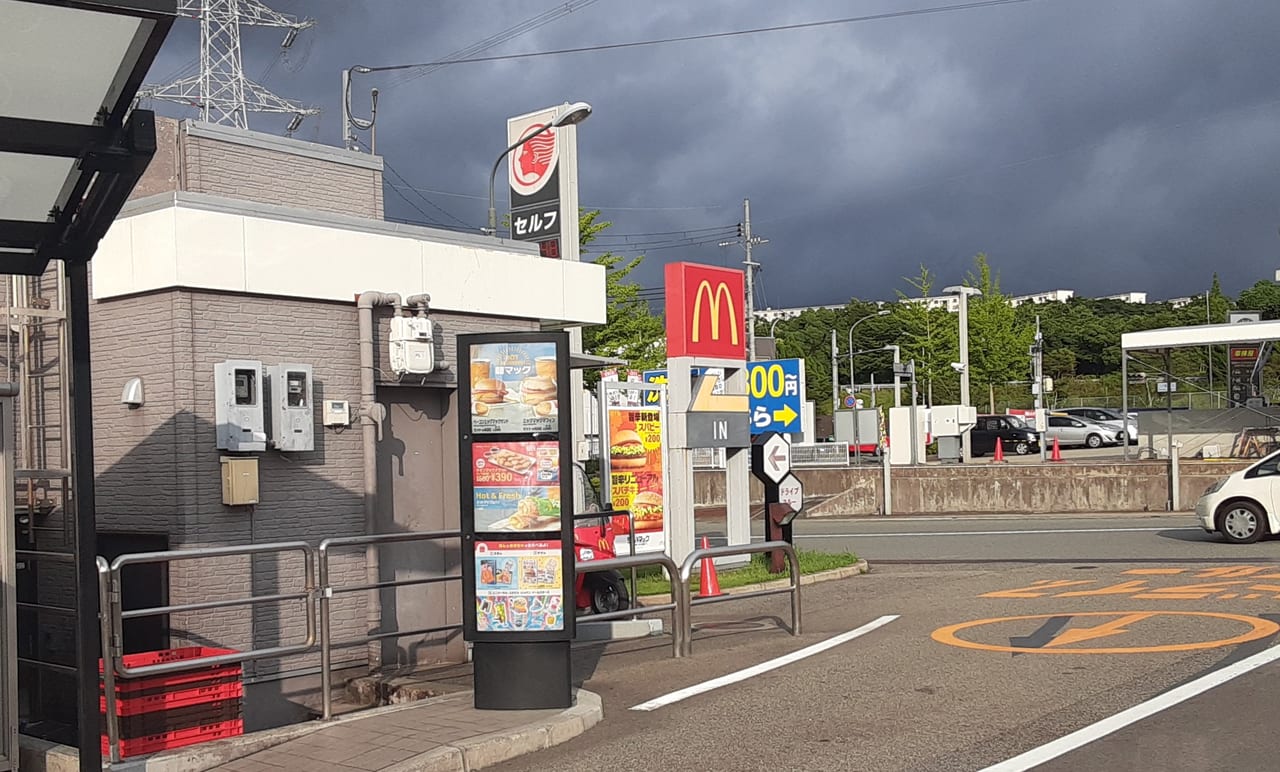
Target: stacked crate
176,709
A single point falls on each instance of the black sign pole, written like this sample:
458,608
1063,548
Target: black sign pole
521,639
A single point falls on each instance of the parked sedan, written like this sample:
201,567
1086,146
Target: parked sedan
1069,430
1018,438
1108,418
1241,506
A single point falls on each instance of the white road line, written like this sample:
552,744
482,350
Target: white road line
1106,726
763,667
1032,532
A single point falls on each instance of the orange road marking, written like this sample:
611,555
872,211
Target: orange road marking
1189,591
1155,571
1252,595
1228,596
1230,572
1037,590
1106,629
1258,628
1124,588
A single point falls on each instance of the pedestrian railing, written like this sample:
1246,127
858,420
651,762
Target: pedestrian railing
327,591
697,556
679,622
112,616
820,454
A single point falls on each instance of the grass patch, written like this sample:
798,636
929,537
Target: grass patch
649,580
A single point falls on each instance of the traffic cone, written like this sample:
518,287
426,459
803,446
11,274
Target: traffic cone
999,459
1057,452
708,582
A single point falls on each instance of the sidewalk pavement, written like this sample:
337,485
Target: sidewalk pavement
435,735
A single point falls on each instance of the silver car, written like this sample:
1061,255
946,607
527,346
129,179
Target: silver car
1106,417
1069,430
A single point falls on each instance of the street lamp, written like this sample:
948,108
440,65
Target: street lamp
569,115
897,378
963,366
853,381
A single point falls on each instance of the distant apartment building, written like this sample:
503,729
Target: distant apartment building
952,302
774,314
1127,297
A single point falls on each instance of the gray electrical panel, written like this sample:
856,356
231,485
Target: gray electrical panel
237,391
292,413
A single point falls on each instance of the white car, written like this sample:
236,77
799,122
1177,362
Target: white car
1243,506
1109,418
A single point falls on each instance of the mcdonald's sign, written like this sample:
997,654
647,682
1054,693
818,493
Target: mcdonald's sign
706,312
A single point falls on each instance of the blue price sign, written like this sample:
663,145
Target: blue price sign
776,389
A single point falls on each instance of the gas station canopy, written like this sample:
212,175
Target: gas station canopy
1201,335
70,150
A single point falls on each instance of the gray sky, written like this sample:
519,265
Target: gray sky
1099,145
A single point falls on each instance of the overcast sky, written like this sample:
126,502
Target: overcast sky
1098,145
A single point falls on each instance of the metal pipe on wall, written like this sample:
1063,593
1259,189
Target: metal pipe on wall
371,415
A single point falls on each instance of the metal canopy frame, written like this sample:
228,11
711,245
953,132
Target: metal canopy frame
110,154
1166,339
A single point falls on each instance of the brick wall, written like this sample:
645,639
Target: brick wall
269,176
272,170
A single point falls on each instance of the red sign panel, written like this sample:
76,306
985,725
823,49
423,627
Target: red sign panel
1244,353
706,311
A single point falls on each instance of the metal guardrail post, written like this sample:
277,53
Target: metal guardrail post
686,570
325,593
105,595
118,615
326,656
679,621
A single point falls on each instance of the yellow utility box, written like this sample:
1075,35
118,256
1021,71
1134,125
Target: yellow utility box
239,481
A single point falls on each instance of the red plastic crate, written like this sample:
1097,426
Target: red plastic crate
177,738
134,704
145,658
160,721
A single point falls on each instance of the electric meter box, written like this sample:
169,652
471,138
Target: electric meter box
237,392
412,345
292,414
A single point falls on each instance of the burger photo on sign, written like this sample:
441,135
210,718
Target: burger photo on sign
627,451
646,509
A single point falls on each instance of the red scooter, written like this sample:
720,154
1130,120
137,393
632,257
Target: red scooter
599,591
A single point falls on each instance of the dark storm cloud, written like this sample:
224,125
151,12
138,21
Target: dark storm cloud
1089,144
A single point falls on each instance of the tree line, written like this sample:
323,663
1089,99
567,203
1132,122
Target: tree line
1081,338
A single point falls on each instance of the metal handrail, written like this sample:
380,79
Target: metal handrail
679,622
118,614
686,570
326,594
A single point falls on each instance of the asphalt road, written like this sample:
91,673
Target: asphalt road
974,662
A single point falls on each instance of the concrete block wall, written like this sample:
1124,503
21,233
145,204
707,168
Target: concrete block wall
260,167
1140,486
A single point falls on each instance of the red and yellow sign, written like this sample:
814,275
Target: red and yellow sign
706,311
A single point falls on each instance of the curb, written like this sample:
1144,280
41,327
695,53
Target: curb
460,756
844,572
488,749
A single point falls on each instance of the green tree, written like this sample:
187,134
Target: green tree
930,336
1264,297
999,342
633,332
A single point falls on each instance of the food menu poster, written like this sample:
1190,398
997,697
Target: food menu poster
514,388
519,586
516,486
635,473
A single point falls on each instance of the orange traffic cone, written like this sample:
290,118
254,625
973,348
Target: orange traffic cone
1057,452
708,582
999,459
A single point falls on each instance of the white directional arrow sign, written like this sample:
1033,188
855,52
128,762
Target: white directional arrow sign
791,492
777,458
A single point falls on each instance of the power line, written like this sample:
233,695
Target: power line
512,32
704,36
428,201
601,207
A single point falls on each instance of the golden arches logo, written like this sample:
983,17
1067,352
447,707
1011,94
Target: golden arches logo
721,292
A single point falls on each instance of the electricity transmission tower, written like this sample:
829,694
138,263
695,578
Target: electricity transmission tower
220,89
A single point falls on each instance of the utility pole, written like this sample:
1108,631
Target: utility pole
1037,365
748,241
